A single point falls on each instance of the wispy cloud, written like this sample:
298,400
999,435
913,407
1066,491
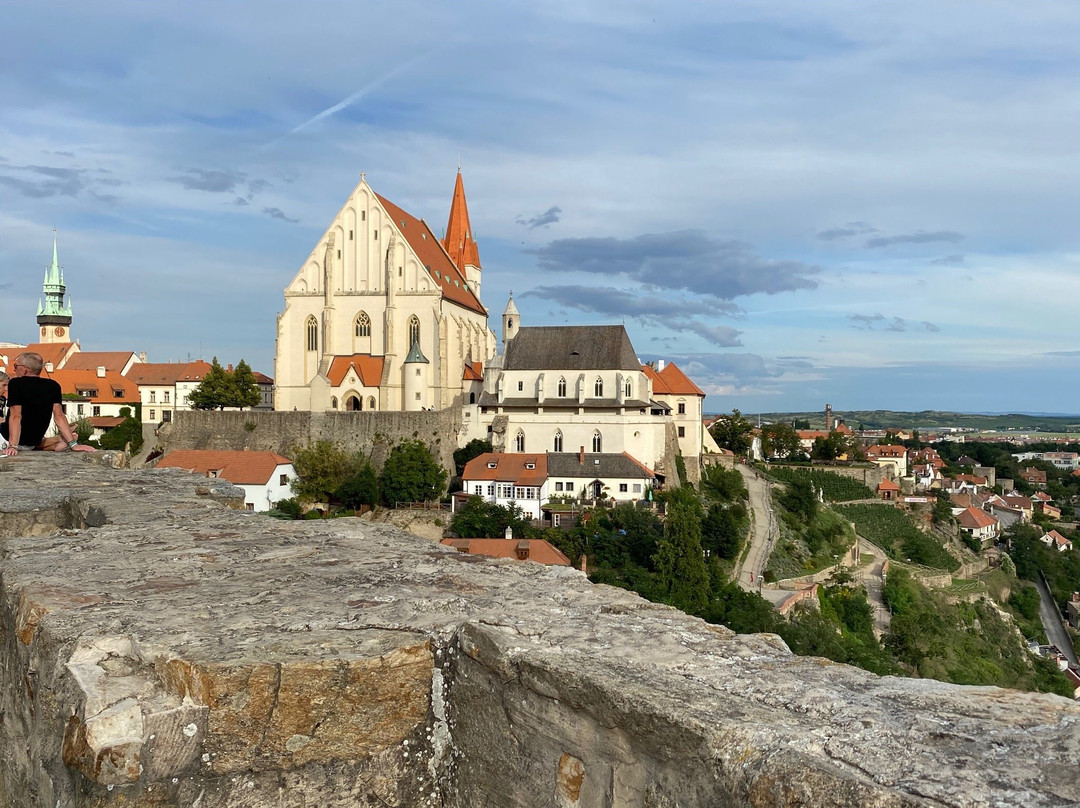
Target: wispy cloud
549,216
918,237
687,260
870,322
278,213
201,179
847,231
954,260
39,182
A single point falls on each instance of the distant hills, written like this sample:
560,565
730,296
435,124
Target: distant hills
930,420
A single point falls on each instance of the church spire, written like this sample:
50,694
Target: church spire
54,316
459,238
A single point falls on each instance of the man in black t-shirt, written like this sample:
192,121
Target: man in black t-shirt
33,402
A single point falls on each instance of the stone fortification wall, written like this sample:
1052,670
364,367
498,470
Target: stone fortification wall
870,476
158,648
373,433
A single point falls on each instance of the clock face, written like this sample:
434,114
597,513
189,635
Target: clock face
59,331
44,331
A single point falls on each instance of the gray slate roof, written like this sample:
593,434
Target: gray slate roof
566,464
571,347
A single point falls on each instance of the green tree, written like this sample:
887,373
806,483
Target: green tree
680,562
321,468
361,488
477,519
800,500
474,448
411,474
213,391
733,432
723,485
779,439
127,431
243,389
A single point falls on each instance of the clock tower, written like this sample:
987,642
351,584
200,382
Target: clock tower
54,316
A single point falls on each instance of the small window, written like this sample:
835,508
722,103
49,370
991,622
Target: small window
375,235
478,489
417,396
153,396
493,465
562,388
350,235
557,447
558,486
682,431
521,386
97,411
629,390
283,479
491,490
682,408
312,334
530,465
597,442
637,488
249,505
569,486
622,488
519,441
166,396
152,414
363,325
339,254
167,416
598,388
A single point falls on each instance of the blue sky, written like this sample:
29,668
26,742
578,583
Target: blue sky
870,204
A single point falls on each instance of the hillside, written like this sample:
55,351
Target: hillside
933,419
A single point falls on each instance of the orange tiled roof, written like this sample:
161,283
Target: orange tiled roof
474,372
886,450
538,549
165,373
369,368
507,467
459,241
888,485
105,421
261,378
92,360
672,381
55,352
110,389
433,255
241,468
1059,540
973,518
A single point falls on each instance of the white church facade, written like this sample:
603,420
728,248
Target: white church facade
383,315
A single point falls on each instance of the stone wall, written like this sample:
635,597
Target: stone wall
373,433
870,476
158,648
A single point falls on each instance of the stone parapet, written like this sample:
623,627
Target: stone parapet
160,648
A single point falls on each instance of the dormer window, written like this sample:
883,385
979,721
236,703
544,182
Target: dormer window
493,465
530,465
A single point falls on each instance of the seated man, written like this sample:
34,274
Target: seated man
32,403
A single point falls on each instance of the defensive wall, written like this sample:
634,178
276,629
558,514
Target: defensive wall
869,475
161,648
373,433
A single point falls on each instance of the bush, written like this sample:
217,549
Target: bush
287,509
321,468
361,488
411,474
127,431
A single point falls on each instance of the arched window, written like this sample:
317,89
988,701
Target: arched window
414,330
472,398
629,389
597,442
363,325
371,402
558,441
562,388
519,441
312,334
598,388
333,402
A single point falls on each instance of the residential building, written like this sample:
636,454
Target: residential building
506,479
265,476
380,291
890,458
1056,541
979,524
164,387
685,402
1033,476
99,395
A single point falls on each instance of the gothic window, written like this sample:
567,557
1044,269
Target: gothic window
363,325
371,402
558,441
312,334
629,389
597,442
562,388
519,442
598,388
414,330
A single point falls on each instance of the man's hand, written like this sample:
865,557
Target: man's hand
82,447
10,451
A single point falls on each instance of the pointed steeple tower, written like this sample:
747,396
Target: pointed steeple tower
458,240
54,316
511,321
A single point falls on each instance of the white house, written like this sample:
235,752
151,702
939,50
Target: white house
264,476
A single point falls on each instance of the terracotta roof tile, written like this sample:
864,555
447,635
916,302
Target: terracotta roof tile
508,468
55,352
92,360
110,389
538,550
672,381
166,373
973,519
474,372
241,468
459,241
369,368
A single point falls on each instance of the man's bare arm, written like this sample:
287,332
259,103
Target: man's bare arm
67,432
14,429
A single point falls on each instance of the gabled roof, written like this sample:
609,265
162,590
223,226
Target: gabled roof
572,348
157,374
1057,539
369,368
887,485
241,468
889,450
974,519
538,550
433,256
459,239
671,381
92,360
474,372
572,464
508,468
55,352
110,389
261,378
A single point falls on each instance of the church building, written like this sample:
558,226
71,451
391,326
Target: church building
383,314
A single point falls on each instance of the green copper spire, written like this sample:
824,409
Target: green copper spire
415,354
54,291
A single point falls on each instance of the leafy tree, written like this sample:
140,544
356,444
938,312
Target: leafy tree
477,519
243,389
361,488
411,474
780,440
474,448
721,532
127,431
213,391
800,500
289,508
733,432
832,447
943,509
321,468
800,423
84,430
680,563
723,485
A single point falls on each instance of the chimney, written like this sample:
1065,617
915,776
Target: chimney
828,417
522,550
509,532
101,372
229,368
659,365
48,367
585,563
142,356
581,455
1076,597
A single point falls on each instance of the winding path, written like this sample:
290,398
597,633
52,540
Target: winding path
763,531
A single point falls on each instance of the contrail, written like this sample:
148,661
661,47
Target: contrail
352,99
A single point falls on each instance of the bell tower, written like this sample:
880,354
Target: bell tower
54,316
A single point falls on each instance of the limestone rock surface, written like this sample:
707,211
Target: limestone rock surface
161,648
